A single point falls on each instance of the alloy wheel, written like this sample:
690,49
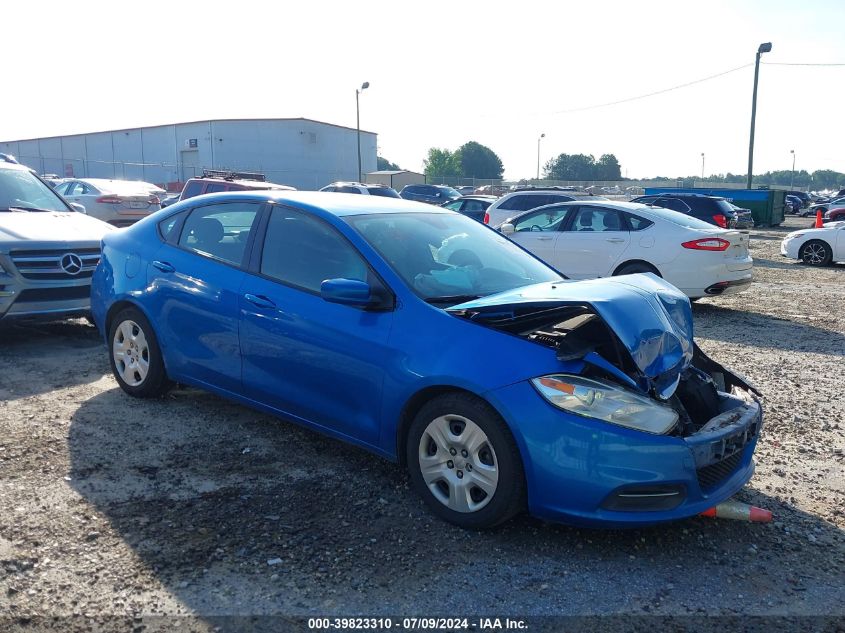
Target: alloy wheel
458,463
814,253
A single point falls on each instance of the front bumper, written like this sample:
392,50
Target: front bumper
575,465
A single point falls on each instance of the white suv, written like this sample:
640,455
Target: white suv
48,250
370,189
519,201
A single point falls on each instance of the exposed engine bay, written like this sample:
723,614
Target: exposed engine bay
577,332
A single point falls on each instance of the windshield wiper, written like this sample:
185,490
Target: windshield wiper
452,299
27,209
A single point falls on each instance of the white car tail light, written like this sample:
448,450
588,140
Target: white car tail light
110,199
707,244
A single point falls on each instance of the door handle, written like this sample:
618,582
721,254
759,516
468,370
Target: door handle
615,240
261,302
543,239
164,267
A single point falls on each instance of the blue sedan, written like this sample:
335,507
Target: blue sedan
432,340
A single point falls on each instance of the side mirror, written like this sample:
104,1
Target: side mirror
350,292
507,228
78,208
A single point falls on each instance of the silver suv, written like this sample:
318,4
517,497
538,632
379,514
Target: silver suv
517,202
48,250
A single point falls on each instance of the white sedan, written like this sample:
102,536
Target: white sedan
588,239
816,247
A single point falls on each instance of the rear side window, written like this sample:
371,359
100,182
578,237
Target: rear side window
348,190
596,219
193,188
166,226
303,251
220,231
215,187
638,223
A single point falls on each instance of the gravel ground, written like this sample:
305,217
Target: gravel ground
194,505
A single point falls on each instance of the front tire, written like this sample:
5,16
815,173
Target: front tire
816,253
464,462
135,356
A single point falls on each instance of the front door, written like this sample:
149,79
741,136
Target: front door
592,243
538,232
318,361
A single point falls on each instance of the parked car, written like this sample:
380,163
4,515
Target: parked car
585,240
471,206
172,198
369,189
711,209
465,190
215,181
816,247
48,251
491,190
803,196
118,202
518,201
431,194
548,395
793,204
824,207
835,213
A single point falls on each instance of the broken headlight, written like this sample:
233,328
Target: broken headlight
606,401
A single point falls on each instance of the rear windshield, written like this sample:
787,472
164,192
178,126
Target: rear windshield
681,219
726,207
385,192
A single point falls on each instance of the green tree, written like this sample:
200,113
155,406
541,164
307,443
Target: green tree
382,164
442,163
479,161
574,167
609,168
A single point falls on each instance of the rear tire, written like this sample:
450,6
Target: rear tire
135,356
636,267
464,462
816,253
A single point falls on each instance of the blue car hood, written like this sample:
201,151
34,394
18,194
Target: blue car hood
651,318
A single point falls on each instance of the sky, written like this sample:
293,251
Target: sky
444,73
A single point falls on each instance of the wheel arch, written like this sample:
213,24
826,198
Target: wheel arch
122,304
637,261
417,401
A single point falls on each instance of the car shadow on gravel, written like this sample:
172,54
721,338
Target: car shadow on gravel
745,327
234,511
31,350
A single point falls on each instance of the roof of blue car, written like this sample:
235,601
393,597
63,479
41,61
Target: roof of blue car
339,204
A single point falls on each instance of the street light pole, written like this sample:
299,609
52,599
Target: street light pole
364,86
763,48
792,178
702,165
538,154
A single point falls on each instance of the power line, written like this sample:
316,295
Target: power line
655,93
797,64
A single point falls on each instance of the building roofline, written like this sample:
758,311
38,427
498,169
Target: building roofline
147,127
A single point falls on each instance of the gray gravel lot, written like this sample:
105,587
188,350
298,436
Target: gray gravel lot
191,504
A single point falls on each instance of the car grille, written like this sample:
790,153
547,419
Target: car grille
45,265
67,293
711,476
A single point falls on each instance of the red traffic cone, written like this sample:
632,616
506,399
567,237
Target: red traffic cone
731,509
819,221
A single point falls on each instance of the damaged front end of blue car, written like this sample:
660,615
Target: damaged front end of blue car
655,429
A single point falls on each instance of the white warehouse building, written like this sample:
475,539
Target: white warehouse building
303,153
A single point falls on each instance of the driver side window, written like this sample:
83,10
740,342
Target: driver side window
549,219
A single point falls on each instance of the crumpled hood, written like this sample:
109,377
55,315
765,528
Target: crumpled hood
49,226
651,318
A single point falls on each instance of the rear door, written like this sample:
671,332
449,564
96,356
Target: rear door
193,290
592,243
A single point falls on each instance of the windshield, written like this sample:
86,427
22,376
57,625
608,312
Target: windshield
19,189
449,258
680,219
